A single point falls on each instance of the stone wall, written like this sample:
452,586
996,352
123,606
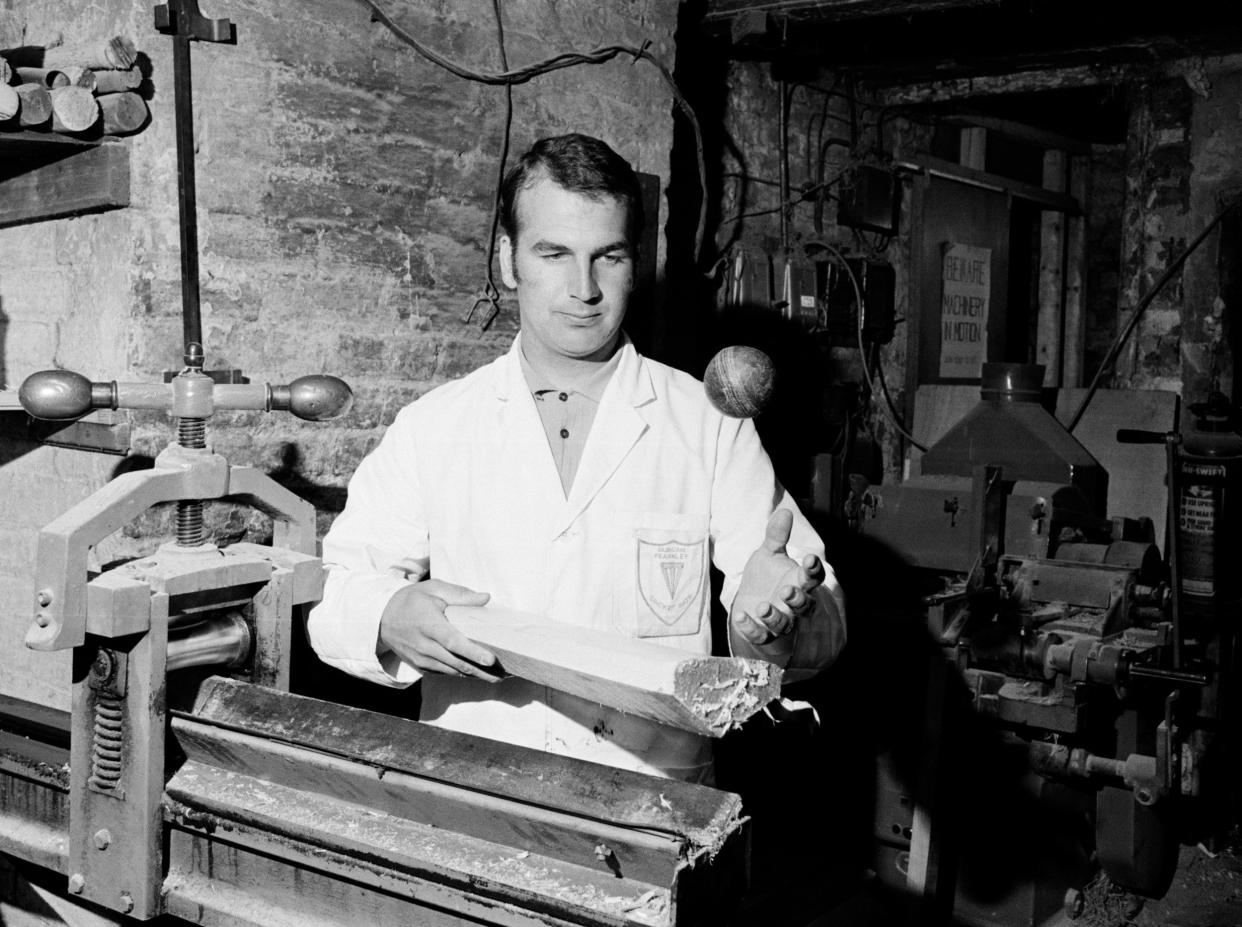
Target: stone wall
344,192
1182,168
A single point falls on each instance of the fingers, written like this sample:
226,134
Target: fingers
763,625
414,627
452,594
796,599
439,659
467,656
810,572
780,525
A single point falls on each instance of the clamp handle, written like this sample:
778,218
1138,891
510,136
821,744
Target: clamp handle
62,395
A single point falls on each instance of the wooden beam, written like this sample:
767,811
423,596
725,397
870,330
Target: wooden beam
702,694
1075,276
973,148
1051,284
835,10
939,167
91,178
1017,131
1016,82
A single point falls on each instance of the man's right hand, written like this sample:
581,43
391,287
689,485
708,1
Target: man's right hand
414,628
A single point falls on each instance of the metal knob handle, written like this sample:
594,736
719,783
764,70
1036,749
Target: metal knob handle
59,395
315,398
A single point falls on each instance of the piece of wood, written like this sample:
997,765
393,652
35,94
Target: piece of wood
1018,131
48,77
939,167
821,11
122,113
10,102
282,845
703,694
117,52
74,109
1075,275
117,81
91,180
80,76
703,816
1051,284
973,147
36,105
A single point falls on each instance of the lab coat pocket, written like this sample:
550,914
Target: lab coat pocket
667,575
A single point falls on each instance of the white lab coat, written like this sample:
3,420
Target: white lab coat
464,488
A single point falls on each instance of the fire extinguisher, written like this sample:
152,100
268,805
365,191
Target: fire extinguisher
1209,506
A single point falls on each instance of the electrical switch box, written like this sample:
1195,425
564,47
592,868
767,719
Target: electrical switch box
870,200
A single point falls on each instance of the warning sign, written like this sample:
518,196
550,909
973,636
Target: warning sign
966,283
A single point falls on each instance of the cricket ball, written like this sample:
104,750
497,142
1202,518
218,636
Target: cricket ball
739,381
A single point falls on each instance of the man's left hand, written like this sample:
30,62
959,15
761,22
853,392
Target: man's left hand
775,592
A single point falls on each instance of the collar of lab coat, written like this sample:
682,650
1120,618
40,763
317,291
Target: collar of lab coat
632,379
619,425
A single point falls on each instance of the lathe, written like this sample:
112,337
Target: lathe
1069,630
225,799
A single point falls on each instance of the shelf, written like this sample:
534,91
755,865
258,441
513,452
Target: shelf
50,176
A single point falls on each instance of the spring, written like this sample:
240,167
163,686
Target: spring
189,523
107,743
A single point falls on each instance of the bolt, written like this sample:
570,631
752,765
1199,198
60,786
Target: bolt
127,902
103,839
77,883
42,619
104,666
44,597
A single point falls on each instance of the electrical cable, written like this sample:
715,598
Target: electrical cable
889,407
803,195
599,55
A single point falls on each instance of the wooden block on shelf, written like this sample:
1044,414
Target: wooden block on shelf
93,179
36,105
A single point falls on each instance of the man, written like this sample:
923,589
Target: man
572,479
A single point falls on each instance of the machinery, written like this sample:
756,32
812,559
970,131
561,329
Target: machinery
224,799
1069,630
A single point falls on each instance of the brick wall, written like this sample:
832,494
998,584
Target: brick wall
344,192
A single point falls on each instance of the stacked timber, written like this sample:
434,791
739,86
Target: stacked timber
83,90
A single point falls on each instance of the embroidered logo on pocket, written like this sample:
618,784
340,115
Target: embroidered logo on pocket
670,578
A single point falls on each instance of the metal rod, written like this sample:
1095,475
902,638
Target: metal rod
191,323
1171,441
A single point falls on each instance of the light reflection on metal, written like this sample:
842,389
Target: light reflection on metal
223,639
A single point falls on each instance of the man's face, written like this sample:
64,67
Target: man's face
573,269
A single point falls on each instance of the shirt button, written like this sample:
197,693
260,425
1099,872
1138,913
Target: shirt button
564,397
564,432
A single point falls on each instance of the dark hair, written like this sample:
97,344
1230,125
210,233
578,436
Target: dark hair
580,164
